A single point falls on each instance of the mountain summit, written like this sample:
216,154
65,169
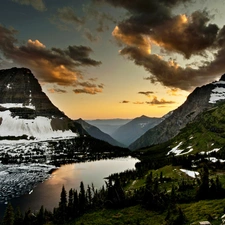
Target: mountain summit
200,100
25,110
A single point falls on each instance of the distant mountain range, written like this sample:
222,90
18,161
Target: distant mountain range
97,133
200,100
108,126
132,130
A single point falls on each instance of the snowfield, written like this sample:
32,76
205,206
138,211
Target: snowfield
40,127
190,173
17,105
218,93
176,151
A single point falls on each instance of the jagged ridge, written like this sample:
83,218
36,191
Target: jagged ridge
200,100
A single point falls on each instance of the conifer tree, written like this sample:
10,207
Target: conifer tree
82,198
41,216
62,210
18,217
75,203
8,218
70,203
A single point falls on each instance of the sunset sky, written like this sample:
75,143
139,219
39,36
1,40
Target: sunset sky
102,59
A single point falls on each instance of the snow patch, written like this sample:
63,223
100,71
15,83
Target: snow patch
214,159
190,173
9,86
175,150
178,152
214,150
40,127
142,125
218,93
17,105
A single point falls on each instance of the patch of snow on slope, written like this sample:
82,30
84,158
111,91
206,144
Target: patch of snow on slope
175,150
40,127
142,125
214,150
214,160
207,153
17,105
218,93
190,173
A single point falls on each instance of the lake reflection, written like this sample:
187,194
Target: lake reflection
70,175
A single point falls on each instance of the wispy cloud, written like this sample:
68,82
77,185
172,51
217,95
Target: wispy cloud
89,36
36,4
138,103
57,90
156,101
87,90
66,17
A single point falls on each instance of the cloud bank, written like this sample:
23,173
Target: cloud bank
55,65
154,22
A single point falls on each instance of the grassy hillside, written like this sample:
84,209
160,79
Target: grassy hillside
206,133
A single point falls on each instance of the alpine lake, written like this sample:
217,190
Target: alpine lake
48,192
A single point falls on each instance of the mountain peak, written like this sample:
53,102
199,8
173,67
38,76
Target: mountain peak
222,78
26,110
20,89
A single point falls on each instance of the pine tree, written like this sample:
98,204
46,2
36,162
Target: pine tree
62,210
82,198
70,203
75,204
89,196
8,218
18,217
41,216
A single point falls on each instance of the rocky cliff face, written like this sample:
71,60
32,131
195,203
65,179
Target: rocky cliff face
201,99
26,110
19,87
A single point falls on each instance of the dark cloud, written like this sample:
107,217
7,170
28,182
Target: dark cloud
154,23
38,4
147,93
55,65
125,102
155,101
170,74
188,36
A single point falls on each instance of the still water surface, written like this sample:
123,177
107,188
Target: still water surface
70,175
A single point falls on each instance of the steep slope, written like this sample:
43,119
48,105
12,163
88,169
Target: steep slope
97,133
131,131
201,99
204,135
26,111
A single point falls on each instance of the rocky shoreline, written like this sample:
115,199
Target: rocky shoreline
19,179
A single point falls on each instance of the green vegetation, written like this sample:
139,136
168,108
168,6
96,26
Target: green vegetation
157,191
